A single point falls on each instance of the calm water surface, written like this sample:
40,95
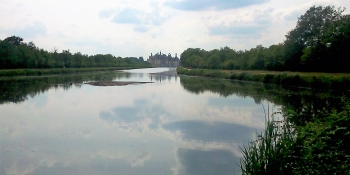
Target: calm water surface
175,125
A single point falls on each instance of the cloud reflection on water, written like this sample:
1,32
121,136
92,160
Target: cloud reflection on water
156,128
211,132
142,110
199,162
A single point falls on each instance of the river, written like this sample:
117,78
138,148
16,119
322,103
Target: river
174,125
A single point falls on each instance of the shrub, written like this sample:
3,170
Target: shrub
323,145
319,147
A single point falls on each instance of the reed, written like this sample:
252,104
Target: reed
319,147
266,155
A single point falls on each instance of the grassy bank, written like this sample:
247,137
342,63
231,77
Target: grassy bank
27,72
319,147
299,79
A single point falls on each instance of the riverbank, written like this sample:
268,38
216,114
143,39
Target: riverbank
52,71
320,146
297,79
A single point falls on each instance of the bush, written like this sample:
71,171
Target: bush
319,147
322,146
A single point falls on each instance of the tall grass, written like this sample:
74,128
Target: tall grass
319,147
266,155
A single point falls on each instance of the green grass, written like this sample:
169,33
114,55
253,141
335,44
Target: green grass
265,154
27,72
319,147
299,79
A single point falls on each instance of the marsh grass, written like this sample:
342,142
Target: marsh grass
319,147
267,153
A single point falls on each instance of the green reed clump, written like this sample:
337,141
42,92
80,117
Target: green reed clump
266,155
321,146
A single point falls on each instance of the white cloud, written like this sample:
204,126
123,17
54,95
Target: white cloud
32,30
195,5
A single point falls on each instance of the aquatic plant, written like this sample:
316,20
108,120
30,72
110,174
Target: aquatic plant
319,147
266,155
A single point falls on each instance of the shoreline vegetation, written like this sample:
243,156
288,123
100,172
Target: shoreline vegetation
320,146
55,71
314,80
26,58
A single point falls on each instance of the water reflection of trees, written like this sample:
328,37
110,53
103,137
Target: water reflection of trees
302,103
18,89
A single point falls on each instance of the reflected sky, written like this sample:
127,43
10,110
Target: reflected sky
157,128
211,132
197,162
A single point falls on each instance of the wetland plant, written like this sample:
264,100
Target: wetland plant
321,146
267,153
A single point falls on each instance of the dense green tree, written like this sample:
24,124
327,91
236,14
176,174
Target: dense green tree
305,42
214,61
14,40
319,42
8,56
274,57
78,60
14,53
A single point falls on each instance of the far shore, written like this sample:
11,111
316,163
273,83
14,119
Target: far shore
53,71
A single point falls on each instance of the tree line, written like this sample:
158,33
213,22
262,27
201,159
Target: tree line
14,53
320,42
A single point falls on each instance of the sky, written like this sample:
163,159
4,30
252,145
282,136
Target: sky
134,28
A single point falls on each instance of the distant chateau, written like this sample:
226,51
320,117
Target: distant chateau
162,60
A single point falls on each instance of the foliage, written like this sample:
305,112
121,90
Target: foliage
319,43
14,54
319,147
